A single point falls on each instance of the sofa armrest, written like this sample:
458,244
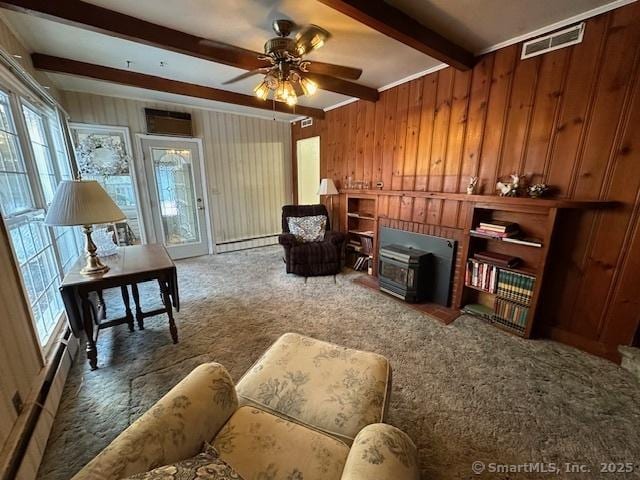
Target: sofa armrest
335,237
287,239
382,452
173,429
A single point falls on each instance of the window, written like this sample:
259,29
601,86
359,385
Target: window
15,193
28,180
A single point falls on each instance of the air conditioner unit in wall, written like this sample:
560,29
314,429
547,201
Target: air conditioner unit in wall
553,41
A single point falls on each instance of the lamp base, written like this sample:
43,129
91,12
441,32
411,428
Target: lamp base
93,264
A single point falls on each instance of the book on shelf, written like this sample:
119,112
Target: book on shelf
498,259
360,215
494,234
362,263
515,286
366,233
532,242
511,314
481,275
499,226
479,310
367,244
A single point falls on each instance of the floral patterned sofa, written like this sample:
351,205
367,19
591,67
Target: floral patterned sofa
307,410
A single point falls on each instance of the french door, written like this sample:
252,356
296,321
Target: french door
177,200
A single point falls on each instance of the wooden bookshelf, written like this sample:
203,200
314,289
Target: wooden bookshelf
534,220
361,221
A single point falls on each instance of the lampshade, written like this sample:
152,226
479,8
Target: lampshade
82,202
327,187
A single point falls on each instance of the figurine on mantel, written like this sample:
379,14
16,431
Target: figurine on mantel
473,184
510,189
537,190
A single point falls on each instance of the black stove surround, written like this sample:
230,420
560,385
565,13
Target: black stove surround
416,267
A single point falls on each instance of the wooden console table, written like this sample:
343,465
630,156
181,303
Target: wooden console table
132,265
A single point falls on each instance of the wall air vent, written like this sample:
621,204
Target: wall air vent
553,41
306,122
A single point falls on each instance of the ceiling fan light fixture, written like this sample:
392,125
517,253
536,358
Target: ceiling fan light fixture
261,91
309,87
292,100
282,93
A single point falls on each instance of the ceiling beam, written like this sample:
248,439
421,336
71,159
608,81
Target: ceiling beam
396,24
151,82
109,22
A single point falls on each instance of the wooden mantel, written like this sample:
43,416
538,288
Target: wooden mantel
490,199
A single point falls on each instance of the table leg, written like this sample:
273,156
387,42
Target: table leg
125,299
166,299
136,300
87,322
102,307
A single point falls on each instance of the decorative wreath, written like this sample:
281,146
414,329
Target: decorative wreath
89,163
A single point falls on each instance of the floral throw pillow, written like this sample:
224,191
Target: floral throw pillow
204,466
308,229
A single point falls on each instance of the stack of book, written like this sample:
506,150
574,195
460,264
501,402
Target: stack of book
511,314
497,229
498,259
355,245
479,310
515,286
481,275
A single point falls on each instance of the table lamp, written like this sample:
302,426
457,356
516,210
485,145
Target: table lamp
327,187
84,202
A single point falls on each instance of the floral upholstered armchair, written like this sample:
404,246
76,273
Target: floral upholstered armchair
252,443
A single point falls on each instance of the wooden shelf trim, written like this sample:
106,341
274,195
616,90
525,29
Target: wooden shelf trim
489,199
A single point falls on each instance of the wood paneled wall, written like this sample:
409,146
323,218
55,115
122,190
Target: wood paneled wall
247,160
569,118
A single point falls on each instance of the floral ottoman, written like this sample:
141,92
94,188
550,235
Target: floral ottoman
334,389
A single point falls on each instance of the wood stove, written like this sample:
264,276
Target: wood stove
403,272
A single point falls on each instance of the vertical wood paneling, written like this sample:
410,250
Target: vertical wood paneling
496,116
247,160
567,118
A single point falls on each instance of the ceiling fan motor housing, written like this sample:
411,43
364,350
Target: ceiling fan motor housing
279,45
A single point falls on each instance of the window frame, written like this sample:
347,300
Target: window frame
46,114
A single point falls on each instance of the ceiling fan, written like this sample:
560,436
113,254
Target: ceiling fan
287,74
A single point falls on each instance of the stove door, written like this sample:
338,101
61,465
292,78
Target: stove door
397,273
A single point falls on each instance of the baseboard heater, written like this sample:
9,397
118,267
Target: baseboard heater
246,243
56,371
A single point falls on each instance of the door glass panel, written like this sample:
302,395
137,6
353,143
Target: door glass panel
173,172
103,156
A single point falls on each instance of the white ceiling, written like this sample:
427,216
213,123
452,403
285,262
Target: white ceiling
478,25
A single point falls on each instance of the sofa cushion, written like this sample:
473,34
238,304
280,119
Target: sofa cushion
259,445
335,389
205,466
308,229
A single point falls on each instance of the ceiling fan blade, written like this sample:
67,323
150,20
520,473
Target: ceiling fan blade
224,53
338,85
242,76
341,71
310,38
